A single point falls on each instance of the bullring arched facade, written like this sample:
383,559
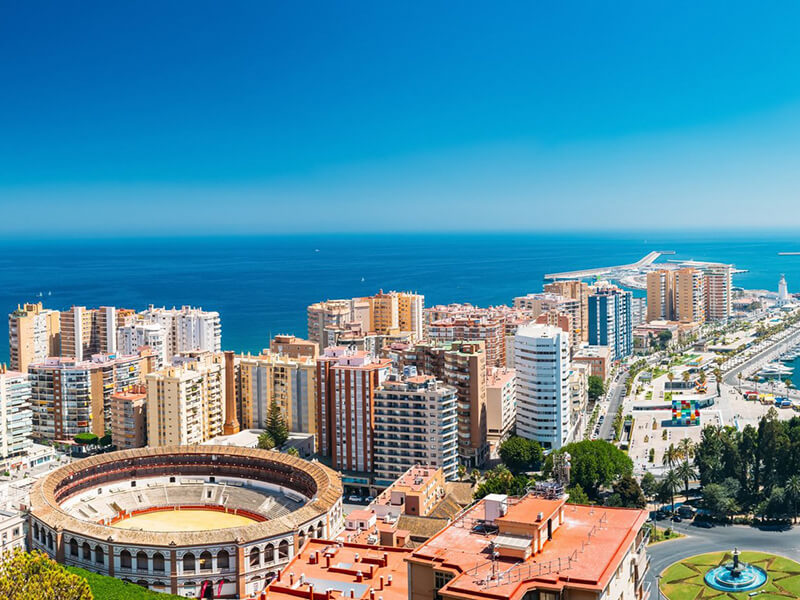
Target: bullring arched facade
216,563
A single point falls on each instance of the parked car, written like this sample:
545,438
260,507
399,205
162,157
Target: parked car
354,498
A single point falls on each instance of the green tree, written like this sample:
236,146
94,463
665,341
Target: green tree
596,387
462,471
793,493
292,451
474,476
265,441
594,464
33,576
671,456
628,493
86,439
502,481
649,485
576,495
720,500
520,454
276,424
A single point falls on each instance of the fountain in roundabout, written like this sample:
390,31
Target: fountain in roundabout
736,576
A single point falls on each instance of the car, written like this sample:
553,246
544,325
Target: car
354,498
702,523
369,499
677,519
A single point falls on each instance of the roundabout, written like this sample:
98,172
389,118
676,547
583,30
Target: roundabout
732,576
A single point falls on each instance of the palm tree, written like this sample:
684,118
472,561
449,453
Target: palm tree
718,376
474,476
686,471
462,471
671,456
672,482
686,449
686,376
793,491
740,381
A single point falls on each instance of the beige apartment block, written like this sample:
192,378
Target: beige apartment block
129,417
185,403
34,333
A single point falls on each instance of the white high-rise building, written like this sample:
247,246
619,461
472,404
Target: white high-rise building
141,333
15,417
541,360
188,329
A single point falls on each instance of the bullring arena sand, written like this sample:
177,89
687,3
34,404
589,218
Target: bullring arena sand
190,519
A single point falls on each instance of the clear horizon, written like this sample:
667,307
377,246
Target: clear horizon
263,118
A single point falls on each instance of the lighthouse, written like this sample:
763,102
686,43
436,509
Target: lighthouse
783,292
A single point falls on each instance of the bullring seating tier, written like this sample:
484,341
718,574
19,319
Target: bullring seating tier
112,501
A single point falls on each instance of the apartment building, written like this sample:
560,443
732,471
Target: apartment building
34,333
534,547
690,296
575,290
12,531
415,422
596,358
136,333
346,384
16,423
417,492
71,396
489,330
291,382
293,347
88,331
541,356
461,365
189,329
129,417
554,309
610,320
186,402
660,295
501,404
719,295
326,318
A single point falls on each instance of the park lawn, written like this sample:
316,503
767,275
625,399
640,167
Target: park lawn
684,579
110,588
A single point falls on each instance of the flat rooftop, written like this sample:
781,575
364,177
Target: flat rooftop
583,553
327,565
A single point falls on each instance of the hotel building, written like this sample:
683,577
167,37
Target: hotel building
415,423
690,296
461,365
541,356
129,417
534,548
346,384
34,333
501,404
15,418
610,321
71,396
185,403
291,382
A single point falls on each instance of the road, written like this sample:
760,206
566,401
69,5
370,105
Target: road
767,355
614,396
700,541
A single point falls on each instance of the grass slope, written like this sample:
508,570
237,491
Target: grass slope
109,588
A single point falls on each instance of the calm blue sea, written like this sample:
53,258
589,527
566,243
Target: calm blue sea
261,285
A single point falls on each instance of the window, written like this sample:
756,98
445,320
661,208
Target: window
269,553
205,561
99,555
440,580
223,560
283,549
141,561
87,551
158,562
73,548
125,560
188,562
255,557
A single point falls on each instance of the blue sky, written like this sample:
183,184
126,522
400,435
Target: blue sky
266,117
